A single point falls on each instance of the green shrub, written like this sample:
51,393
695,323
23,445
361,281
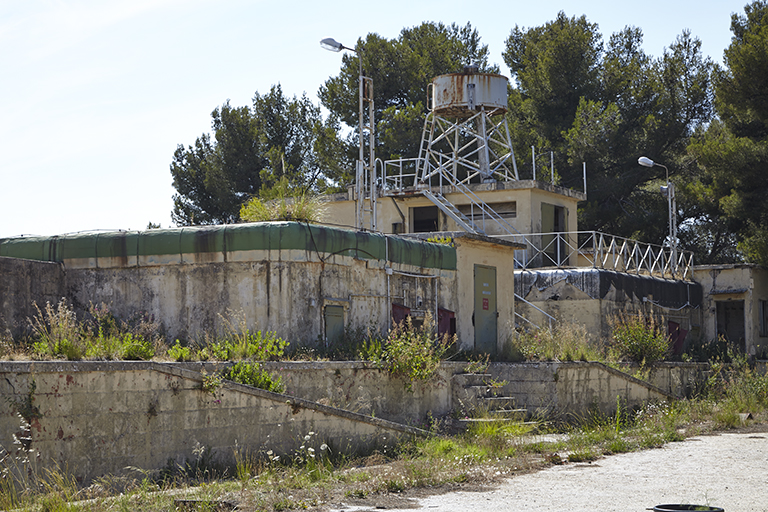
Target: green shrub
179,353
136,349
252,374
414,353
638,338
238,342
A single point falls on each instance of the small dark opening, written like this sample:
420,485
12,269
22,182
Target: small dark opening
424,219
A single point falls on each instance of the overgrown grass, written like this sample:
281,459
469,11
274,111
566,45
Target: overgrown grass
639,338
562,342
303,207
59,334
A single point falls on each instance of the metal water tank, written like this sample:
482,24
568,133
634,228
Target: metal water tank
464,94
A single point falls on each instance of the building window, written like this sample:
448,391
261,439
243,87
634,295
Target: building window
507,210
424,219
764,318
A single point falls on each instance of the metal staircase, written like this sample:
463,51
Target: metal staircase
451,211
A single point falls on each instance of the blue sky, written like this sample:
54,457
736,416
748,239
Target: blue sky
96,95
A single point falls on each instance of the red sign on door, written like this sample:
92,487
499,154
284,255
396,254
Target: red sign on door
485,304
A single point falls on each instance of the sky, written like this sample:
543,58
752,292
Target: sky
95,95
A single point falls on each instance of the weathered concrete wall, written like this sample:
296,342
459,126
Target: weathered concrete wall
358,387
595,297
679,379
23,283
284,296
551,387
99,418
575,388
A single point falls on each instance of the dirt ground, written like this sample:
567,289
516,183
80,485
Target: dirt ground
727,470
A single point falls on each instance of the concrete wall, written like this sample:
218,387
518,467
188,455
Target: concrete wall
22,283
279,276
594,298
555,389
99,418
280,294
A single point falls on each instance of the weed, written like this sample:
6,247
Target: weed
303,207
414,353
252,374
639,338
562,342
394,485
57,331
179,353
26,407
479,365
239,342
211,382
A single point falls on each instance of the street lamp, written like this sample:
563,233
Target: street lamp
669,192
331,44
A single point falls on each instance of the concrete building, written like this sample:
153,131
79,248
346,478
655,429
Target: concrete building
306,282
735,305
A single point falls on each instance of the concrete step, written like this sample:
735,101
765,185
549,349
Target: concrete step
466,422
509,412
497,402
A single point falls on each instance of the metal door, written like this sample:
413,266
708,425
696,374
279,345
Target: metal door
485,315
730,322
334,323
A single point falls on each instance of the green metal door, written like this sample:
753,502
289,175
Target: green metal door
485,309
334,323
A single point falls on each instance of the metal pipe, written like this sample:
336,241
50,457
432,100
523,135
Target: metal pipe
386,263
552,165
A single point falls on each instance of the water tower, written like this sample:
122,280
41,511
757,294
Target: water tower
466,137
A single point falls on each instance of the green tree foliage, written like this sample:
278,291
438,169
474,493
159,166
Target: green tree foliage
250,150
727,193
606,105
401,68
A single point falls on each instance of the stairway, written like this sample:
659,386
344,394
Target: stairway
450,210
482,401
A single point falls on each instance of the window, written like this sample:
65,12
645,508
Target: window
764,318
424,219
507,210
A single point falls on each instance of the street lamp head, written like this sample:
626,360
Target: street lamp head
331,44
645,161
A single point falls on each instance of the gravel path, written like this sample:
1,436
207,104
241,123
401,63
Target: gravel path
725,470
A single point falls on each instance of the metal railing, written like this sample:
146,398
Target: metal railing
599,250
558,249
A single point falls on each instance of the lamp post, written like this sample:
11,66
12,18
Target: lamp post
669,192
331,44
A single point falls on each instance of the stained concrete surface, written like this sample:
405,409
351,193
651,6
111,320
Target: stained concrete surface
728,470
